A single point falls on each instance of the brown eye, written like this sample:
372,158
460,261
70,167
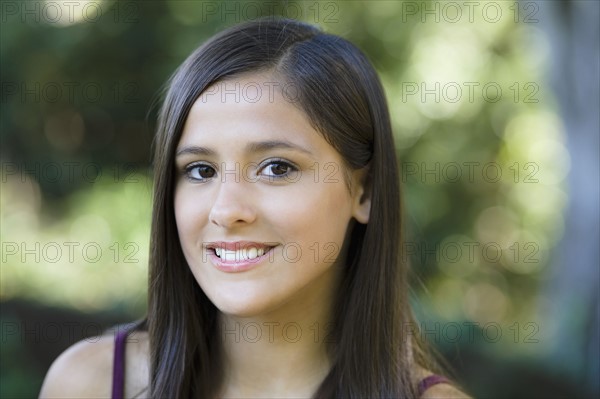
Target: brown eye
200,172
278,169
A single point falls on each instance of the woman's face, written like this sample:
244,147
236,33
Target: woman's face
262,201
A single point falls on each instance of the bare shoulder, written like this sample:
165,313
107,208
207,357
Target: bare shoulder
85,369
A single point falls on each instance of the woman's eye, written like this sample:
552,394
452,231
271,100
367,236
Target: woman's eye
200,172
277,169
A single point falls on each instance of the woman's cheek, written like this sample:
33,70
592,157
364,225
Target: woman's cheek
190,216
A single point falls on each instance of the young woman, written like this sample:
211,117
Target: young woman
275,268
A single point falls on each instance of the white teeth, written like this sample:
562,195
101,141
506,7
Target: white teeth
239,255
252,253
229,256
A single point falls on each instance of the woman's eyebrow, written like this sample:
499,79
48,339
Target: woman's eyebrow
263,146
195,150
257,146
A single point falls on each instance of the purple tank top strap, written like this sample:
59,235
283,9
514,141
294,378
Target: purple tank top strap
118,381
430,381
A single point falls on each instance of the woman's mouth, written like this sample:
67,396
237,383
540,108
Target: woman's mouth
238,256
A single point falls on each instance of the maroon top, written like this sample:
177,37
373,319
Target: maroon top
430,381
118,382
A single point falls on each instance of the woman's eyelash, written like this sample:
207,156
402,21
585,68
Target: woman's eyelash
272,169
202,168
288,168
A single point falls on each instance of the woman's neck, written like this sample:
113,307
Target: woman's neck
282,352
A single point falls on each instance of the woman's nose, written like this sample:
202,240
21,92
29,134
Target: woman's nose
233,204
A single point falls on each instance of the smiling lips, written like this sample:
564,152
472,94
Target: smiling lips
238,253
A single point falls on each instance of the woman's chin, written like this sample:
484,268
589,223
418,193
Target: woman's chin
243,306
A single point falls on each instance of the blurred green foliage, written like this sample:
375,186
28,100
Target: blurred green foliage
480,143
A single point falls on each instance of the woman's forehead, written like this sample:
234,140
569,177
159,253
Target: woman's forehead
252,88
248,108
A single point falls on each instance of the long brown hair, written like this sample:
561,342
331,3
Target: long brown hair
372,354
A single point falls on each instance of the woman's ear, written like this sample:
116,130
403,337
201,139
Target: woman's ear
361,194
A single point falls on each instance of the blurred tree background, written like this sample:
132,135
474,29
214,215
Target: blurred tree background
495,111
